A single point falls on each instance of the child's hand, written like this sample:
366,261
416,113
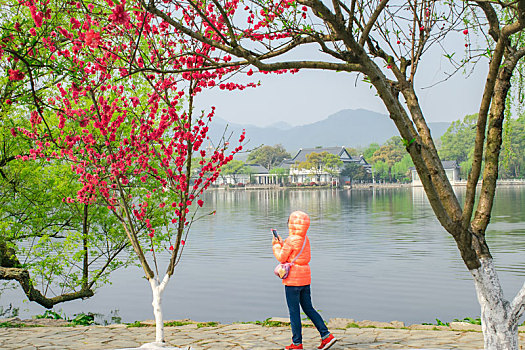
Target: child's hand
276,241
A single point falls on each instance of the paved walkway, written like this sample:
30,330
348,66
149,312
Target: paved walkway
350,335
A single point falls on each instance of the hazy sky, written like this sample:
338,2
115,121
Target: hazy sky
310,96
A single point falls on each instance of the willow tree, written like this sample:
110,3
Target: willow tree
384,42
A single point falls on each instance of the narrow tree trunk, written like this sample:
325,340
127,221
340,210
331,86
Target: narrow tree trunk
498,318
157,290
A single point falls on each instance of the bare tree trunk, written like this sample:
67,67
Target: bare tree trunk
499,317
157,290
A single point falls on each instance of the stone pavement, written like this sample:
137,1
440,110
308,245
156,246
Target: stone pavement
350,334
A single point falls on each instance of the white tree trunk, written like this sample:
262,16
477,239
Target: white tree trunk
157,290
159,344
499,318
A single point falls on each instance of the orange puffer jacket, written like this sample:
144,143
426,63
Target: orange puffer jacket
299,275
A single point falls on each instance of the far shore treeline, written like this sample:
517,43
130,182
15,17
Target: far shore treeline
391,163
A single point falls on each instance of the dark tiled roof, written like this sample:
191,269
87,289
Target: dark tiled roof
338,151
303,152
447,164
257,168
286,163
359,159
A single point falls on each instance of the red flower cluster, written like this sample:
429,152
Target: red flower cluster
16,75
92,39
119,15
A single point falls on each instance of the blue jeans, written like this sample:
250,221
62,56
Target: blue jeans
296,296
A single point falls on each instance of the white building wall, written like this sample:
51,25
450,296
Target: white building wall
452,175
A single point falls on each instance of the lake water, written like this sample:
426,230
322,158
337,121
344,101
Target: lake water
376,254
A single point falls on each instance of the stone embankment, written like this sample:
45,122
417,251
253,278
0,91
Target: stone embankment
270,334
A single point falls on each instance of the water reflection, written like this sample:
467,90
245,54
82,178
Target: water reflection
376,254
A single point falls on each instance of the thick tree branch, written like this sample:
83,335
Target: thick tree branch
496,73
517,306
477,157
5,160
415,148
337,8
338,27
492,17
22,277
371,22
440,180
494,140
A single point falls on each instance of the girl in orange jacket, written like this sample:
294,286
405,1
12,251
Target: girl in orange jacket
297,284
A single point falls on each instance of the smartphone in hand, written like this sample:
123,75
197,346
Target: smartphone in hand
276,235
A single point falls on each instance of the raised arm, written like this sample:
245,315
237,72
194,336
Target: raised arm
282,251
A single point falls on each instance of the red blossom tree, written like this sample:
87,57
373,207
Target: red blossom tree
111,94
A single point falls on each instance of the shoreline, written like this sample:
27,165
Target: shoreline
272,322
364,186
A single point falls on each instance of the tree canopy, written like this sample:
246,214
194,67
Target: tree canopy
268,156
318,163
107,95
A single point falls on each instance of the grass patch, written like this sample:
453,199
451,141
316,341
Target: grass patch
12,325
438,323
51,315
177,323
352,325
469,320
137,324
83,319
269,323
207,324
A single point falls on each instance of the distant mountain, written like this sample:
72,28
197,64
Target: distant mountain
350,128
281,126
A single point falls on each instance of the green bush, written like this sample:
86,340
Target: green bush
50,314
83,319
177,323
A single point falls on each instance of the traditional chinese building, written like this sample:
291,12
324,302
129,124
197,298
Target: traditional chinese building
298,175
